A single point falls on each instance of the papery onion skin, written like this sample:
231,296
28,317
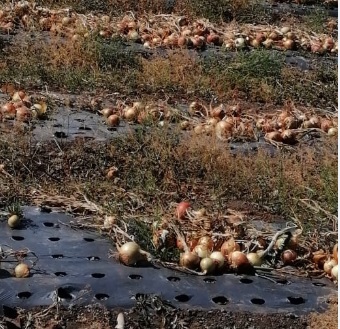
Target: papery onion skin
206,241
218,258
202,251
334,272
22,271
254,259
14,221
335,252
189,260
288,256
130,253
207,265
238,259
229,246
327,267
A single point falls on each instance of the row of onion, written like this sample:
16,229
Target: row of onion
168,31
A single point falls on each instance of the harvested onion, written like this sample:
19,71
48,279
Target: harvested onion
238,259
207,265
22,271
14,221
202,251
334,272
206,241
254,259
130,253
335,252
189,260
229,246
288,256
327,267
218,258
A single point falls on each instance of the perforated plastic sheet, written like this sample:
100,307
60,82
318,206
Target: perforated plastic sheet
74,265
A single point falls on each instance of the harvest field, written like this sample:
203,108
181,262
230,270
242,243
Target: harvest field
204,131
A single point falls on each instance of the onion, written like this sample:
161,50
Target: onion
238,259
327,267
206,241
130,113
335,252
107,112
332,131
334,272
319,258
218,258
109,221
22,271
207,265
181,209
202,251
14,221
326,124
240,43
112,172
229,246
274,136
223,130
23,114
130,253
254,259
113,120
288,136
18,96
288,256
189,260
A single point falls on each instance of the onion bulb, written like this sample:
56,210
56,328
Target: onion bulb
229,246
14,221
334,272
207,265
22,271
130,253
327,267
335,252
288,256
202,251
181,209
106,112
238,259
113,120
206,241
218,258
254,259
189,260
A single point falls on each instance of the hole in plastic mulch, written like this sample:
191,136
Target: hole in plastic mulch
246,280
135,277
97,275
182,298
173,278
60,274
220,300
57,256
24,295
18,238
102,296
54,239
257,301
296,300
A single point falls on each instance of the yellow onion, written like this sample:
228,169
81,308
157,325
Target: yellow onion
334,272
218,258
106,112
206,241
288,256
223,130
23,114
207,265
335,252
113,120
130,253
22,271
189,260
14,221
327,267
326,124
319,258
202,251
274,136
18,96
332,131
8,110
288,136
229,246
130,113
238,259
255,259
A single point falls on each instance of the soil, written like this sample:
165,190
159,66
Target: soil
96,317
